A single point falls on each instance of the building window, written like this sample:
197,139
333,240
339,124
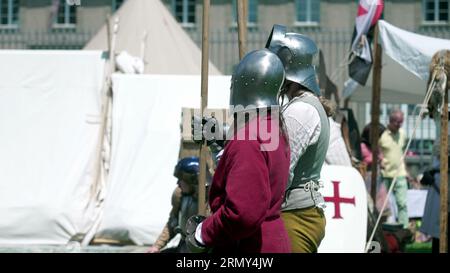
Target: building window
435,10
307,11
184,11
252,10
9,12
66,14
116,4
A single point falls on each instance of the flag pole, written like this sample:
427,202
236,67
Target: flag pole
443,247
203,105
375,110
242,26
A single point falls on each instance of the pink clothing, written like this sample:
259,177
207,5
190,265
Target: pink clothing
381,193
246,196
367,155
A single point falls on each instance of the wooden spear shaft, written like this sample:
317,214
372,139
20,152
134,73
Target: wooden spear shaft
443,247
242,26
376,93
204,103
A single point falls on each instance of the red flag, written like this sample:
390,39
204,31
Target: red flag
369,11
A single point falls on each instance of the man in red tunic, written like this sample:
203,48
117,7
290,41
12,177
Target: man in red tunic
248,185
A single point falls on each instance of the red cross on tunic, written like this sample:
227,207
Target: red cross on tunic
337,200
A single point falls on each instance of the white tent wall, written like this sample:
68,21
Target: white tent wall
405,62
398,86
49,125
145,146
148,24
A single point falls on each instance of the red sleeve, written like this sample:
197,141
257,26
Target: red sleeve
247,195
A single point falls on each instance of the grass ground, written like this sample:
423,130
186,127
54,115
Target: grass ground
418,248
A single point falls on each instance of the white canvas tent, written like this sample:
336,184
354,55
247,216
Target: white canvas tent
149,31
405,62
49,116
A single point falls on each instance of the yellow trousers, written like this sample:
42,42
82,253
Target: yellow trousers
305,227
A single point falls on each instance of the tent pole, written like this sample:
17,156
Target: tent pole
242,26
106,91
108,33
443,247
204,103
376,93
106,95
143,44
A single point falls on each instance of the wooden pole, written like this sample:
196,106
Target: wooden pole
204,103
106,93
242,26
108,34
376,93
112,56
443,247
245,8
111,32
143,45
